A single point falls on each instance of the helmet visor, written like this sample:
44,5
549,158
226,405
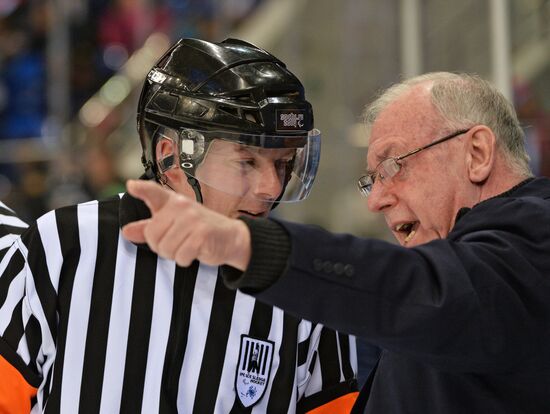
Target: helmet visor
265,167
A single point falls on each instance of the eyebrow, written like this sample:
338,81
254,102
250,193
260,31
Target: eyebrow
241,149
387,151
381,157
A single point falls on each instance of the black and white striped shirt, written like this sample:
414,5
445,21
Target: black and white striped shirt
10,228
101,325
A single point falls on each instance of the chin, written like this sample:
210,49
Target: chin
423,239
412,243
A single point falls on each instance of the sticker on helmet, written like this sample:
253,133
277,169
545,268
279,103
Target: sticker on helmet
291,120
157,76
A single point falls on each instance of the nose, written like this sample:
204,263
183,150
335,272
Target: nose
381,197
269,183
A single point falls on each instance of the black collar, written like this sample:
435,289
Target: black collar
132,209
506,193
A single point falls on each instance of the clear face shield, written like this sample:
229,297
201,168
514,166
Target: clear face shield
264,167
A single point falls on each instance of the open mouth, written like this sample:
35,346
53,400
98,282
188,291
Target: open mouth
407,230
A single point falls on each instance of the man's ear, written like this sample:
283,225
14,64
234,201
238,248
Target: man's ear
481,153
166,159
164,153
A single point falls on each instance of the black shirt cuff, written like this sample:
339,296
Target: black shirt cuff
269,258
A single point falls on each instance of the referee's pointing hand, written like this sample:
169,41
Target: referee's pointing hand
183,230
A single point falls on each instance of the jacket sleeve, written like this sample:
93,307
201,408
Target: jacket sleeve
474,302
332,384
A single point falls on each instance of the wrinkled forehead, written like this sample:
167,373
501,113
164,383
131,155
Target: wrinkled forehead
222,147
407,123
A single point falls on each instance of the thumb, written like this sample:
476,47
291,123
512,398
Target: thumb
151,193
134,231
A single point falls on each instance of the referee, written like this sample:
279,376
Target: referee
92,323
10,229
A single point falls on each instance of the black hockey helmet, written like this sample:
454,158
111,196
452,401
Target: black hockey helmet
200,92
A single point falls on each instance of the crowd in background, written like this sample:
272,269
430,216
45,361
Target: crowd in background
103,35
535,119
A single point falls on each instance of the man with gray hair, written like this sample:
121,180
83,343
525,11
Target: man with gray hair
461,307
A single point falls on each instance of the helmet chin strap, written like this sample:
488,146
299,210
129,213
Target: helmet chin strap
195,185
163,180
193,182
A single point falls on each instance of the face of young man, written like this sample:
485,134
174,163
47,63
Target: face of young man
238,180
421,201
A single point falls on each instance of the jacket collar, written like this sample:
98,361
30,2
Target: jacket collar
531,186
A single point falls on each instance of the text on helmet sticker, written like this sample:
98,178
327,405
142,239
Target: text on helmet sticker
157,77
290,119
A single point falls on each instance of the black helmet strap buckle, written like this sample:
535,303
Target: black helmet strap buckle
195,185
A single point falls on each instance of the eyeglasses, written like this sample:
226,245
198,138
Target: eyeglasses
389,167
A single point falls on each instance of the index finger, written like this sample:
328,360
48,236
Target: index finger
151,193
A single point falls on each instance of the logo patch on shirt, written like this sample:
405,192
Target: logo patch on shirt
253,369
290,120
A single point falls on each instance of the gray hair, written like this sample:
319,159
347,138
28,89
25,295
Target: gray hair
464,100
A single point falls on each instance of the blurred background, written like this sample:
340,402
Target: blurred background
71,72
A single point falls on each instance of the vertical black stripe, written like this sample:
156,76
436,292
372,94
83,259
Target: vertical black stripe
260,325
46,389
184,286
100,308
260,358
303,348
67,228
33,401
312,363
246,359
13,268
42,281
264,360
14,331
214,351
343,340
34,341
281,393
249,354
139,331
328,352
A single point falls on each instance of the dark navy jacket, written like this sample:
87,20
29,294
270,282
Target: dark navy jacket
464,321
